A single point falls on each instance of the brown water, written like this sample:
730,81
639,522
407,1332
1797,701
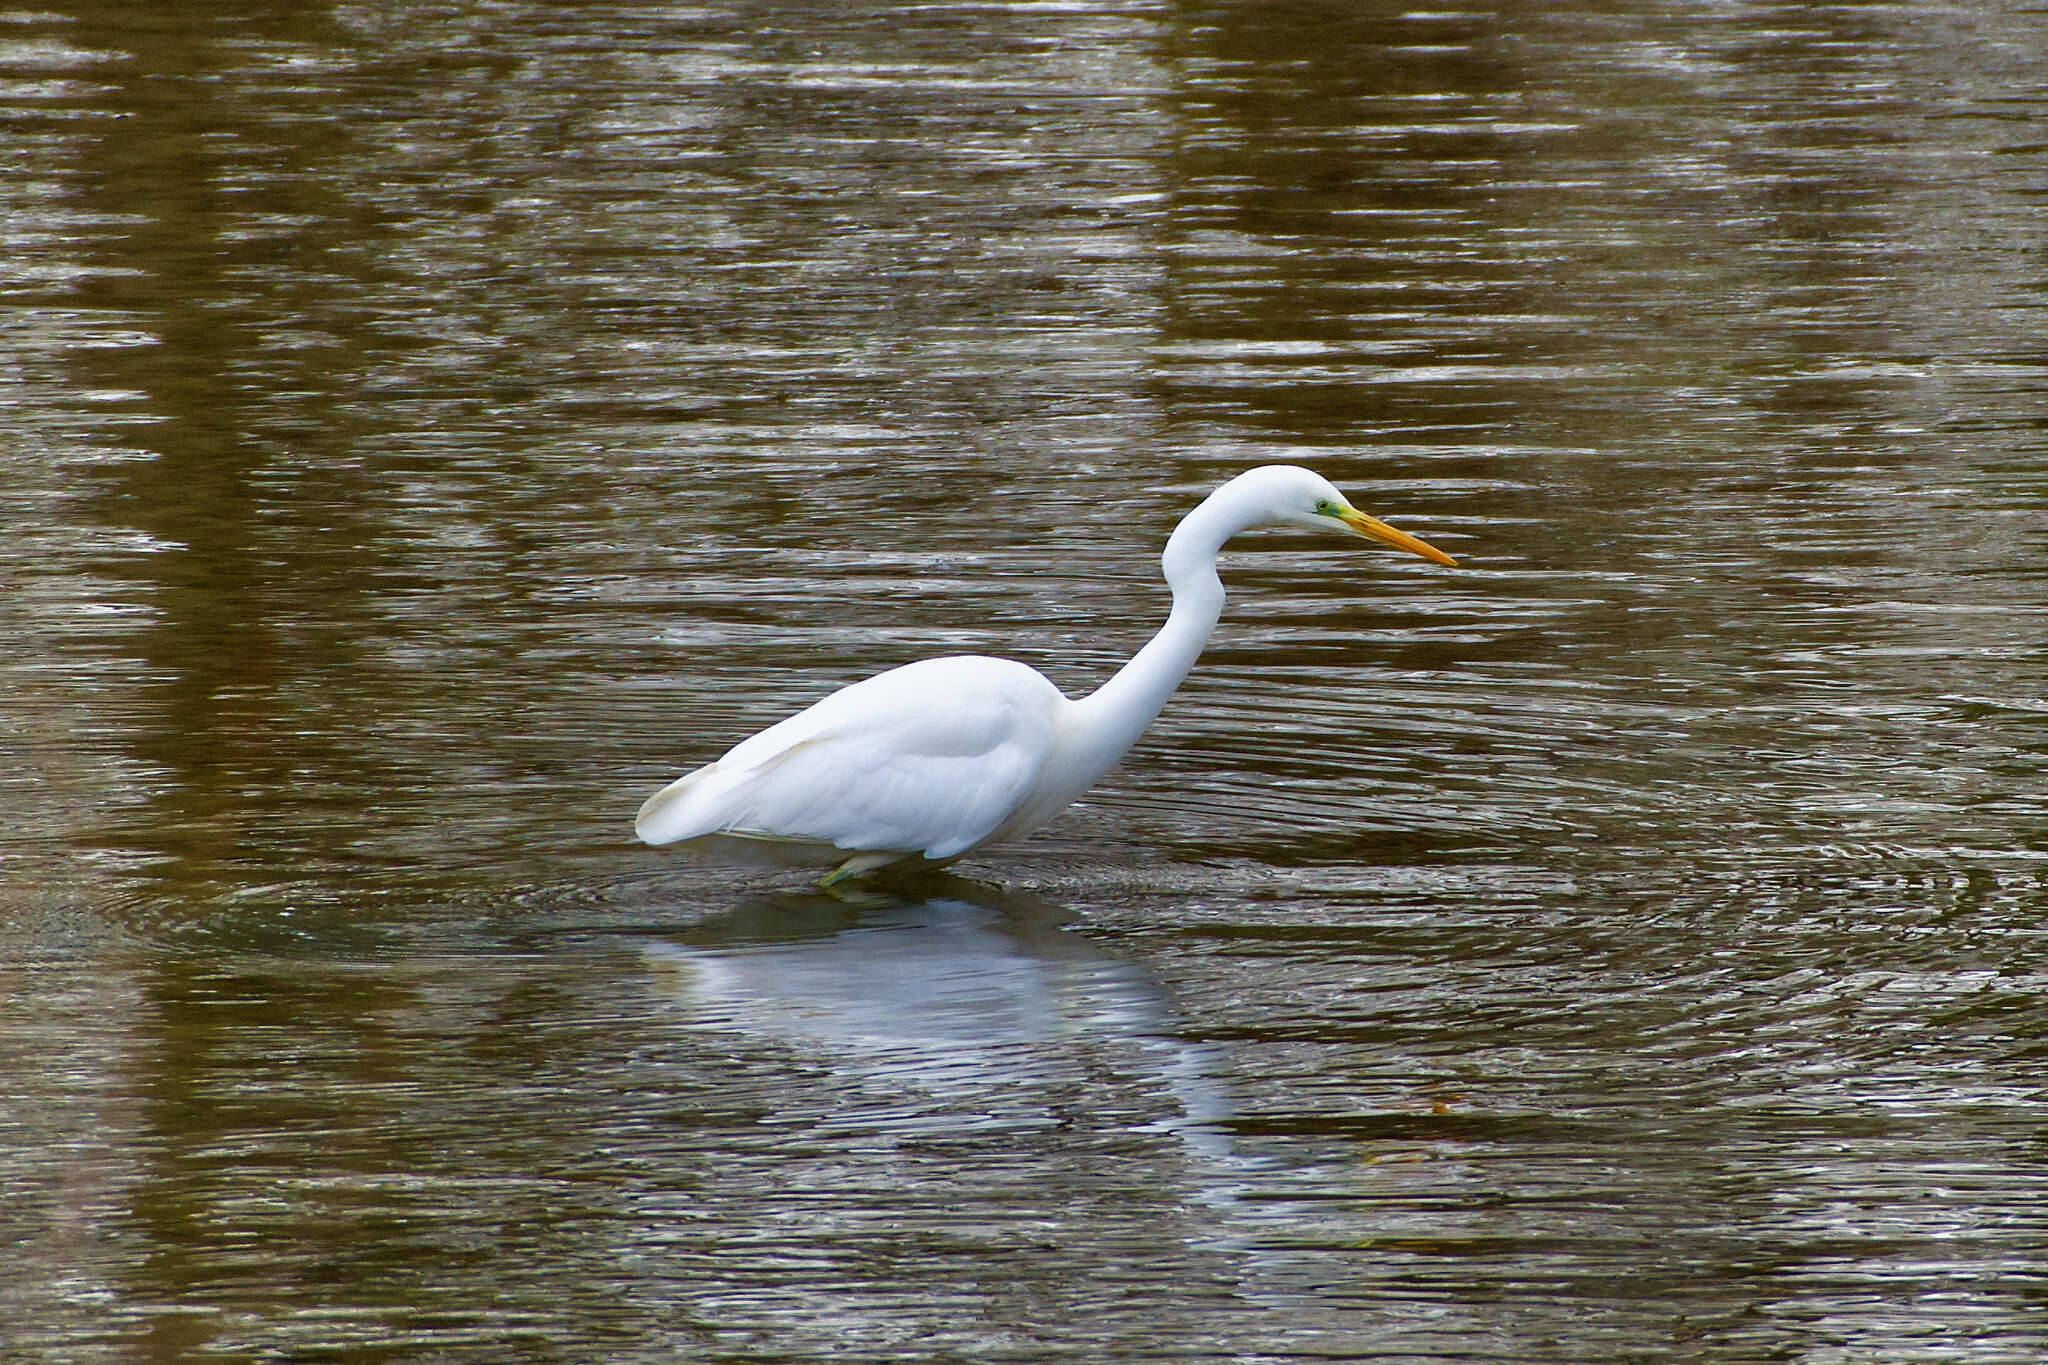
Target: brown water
427,428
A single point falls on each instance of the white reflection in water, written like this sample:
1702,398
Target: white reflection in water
973,999
1061,1085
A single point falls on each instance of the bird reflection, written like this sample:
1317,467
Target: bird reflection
968,989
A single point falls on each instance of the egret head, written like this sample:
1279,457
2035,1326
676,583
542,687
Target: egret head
1301,497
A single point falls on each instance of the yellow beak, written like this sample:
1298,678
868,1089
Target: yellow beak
1376,529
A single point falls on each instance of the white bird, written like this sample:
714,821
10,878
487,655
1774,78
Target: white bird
942,756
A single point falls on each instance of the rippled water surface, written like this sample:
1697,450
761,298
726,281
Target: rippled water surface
429,427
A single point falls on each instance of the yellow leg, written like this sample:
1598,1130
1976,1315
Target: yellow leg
856,865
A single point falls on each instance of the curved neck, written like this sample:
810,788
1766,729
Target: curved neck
1116,713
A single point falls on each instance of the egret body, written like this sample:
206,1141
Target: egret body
939,757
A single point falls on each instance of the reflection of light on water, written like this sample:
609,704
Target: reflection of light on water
965,1000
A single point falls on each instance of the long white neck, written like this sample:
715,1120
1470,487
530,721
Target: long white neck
1110,720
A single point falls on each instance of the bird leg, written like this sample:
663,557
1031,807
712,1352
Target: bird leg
856,865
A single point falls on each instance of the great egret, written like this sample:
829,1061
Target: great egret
942,756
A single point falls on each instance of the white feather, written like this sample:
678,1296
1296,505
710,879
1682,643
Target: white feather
929,758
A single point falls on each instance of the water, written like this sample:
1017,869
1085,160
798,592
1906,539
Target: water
429,428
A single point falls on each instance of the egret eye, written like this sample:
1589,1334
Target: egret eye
1325,508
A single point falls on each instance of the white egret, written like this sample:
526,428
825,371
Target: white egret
942,756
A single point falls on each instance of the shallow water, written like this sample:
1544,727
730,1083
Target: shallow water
429,428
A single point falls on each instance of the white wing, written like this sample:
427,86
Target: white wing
929,758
